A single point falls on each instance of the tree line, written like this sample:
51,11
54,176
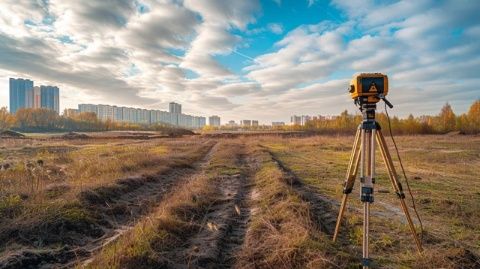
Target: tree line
444,122
46,120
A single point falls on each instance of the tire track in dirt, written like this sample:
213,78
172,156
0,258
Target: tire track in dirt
118,212
331,206
323,208
223,228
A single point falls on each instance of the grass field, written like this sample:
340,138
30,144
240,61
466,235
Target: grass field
229,202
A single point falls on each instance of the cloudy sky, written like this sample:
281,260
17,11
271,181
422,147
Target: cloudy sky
243,59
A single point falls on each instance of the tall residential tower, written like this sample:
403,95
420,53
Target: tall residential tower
214,121
49,96
21,94
175,108
24,95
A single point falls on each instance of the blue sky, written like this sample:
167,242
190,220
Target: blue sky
263,60
272,12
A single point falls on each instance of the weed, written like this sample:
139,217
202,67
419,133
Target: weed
10,206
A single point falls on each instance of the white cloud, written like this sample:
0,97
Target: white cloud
87,20
213,36
311,2
92,48
401,39
149,52
275,28
303,57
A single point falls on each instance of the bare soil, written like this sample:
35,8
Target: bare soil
221,230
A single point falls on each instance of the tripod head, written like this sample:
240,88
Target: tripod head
367,89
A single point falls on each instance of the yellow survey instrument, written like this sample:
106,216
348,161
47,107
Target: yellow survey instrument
370,87
367,89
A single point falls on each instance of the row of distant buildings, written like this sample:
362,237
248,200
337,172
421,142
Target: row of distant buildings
243,123
23,94
142,116
303,119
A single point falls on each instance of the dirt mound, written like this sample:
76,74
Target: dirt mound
454,133
178,132
73,135
11,134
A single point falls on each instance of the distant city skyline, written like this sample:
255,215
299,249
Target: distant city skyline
23,94
266,59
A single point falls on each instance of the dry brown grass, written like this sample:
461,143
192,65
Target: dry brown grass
281,233
443,174
44,203
42,170
167,228
156,238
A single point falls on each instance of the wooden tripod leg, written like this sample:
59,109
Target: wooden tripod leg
350,180
397,185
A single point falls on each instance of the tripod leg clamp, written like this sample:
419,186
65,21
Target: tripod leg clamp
401,195
347,190
367,194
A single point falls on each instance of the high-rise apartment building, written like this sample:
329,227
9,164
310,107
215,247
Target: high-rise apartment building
37,97
117,113
105,112
88,108
296,120
50,98
70,112
21,91
175,108
246,123
214,121
305,119
300,120
143,116
24,95
29,102
254,122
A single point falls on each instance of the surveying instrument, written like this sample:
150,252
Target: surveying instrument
367,89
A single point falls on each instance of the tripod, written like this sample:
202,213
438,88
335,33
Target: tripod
363,157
